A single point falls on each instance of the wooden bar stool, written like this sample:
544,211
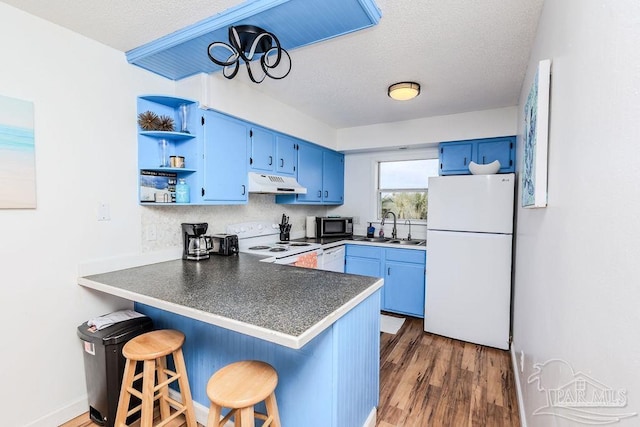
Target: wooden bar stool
239,386
152,350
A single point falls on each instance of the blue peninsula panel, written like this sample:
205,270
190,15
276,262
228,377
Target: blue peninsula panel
332,381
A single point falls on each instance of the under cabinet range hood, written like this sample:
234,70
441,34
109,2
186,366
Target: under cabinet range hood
274,184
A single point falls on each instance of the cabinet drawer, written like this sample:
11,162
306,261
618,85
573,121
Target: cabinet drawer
364,251
405,255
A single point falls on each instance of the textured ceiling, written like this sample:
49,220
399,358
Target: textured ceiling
467,55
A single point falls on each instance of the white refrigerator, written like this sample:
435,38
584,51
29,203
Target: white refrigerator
469,245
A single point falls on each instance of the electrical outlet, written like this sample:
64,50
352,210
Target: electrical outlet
521,361
103,212
356,220
150,232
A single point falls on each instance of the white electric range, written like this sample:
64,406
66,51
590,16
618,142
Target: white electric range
263,238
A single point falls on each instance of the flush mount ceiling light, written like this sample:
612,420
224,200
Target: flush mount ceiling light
404,91
246,43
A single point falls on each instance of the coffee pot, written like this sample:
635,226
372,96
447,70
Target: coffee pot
196,245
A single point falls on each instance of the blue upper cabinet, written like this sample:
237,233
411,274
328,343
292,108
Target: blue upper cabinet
218,151
272,152
262,158
286,155
321,172
225,159
332,177
501,149
296,23
455,156
309,175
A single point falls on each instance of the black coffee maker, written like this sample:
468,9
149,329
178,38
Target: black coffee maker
195,245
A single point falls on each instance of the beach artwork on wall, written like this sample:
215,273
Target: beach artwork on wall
17,155
536,131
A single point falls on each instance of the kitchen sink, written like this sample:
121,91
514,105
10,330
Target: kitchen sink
372,239
408,242
392,241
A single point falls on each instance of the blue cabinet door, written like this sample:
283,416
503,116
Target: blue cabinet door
455,158
321,171
286,155
362,266
404,288
262,158
501,149
310,172
363,260
332,177
225,159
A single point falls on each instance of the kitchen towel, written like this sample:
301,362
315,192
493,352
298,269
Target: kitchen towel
390,324
307,260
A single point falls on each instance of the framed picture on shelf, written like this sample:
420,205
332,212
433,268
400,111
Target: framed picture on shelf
158,187
536,139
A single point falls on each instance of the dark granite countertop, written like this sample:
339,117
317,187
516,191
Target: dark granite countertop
282,304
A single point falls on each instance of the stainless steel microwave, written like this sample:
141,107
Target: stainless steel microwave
331,226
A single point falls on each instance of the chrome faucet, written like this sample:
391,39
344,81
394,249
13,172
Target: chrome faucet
405,223
394,231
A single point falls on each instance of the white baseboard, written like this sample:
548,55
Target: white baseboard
516,375
62,415
371,419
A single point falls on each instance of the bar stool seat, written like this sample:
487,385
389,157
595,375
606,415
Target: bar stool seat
239,386
152,349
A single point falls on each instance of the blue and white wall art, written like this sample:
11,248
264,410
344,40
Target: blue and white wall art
536,131
17,155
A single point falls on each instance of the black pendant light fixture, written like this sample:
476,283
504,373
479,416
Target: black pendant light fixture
248,43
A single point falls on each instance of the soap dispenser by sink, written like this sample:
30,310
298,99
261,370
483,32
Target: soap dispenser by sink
371,231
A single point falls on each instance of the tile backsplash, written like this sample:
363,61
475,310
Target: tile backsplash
166,220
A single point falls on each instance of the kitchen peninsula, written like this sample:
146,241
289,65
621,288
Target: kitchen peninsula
320,330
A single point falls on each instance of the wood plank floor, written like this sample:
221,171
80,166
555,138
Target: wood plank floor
430,381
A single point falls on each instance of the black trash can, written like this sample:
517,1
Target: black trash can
104,364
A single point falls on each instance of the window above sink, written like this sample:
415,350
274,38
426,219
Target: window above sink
402,187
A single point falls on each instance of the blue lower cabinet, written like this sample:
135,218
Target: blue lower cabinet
403,271
404,288
333,381
364,260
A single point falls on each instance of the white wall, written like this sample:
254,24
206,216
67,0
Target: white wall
365,146
84,100
243,100
576,274
429,131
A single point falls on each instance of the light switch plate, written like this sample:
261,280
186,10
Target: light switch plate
103,212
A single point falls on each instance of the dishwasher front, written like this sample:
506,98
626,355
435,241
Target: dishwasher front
333,259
